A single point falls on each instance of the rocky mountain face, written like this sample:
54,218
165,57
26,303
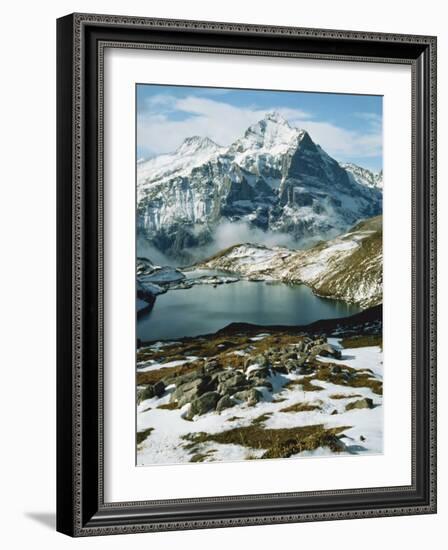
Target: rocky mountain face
275,178
364,176
347,268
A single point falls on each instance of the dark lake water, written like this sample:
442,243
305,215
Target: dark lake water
204,309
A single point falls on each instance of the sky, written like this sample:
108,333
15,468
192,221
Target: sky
348,127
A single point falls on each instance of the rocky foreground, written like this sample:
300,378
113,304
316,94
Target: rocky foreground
245,393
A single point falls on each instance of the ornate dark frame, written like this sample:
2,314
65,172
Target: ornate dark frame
81,39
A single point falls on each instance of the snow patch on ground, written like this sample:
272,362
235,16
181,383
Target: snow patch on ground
154,365
166,446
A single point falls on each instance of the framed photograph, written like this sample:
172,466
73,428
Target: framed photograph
246,274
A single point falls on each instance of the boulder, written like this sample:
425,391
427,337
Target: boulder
281,369
290,365
251,397
205,403
192,389
232,384
335,444
307,346
159,388
326,350
230,374
182,378
260,360
224,403
151,390
257,371
300,346
211,367
364,403
262,382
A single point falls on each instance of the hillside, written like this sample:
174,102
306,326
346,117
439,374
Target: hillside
348,267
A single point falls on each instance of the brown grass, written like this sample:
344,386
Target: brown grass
300,407
168,406
141,436
153,376
356,378
306,384
201,457
259,420
343,395
363,341
277,443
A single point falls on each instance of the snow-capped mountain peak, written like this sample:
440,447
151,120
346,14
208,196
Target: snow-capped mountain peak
194,144
194,151
274,178
275,116
363,176
272,134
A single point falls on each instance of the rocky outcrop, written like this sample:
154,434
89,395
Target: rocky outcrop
216,386
151,390
153,280
365,403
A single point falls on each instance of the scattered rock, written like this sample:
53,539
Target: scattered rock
364,403
224,403
151,390
281,369
231,384
290,365
261,360
190,390
203,404
326,350
257,372
181,379
251,397
263,382
211,367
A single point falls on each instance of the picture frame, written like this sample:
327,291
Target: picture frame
81,506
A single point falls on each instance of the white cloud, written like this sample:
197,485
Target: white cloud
341,143
160,132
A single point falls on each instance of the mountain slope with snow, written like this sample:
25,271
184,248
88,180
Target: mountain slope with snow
347,268
363,176
274,178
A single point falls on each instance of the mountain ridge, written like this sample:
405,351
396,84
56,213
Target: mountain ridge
274,178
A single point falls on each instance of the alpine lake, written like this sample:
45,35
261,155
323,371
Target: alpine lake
207,308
